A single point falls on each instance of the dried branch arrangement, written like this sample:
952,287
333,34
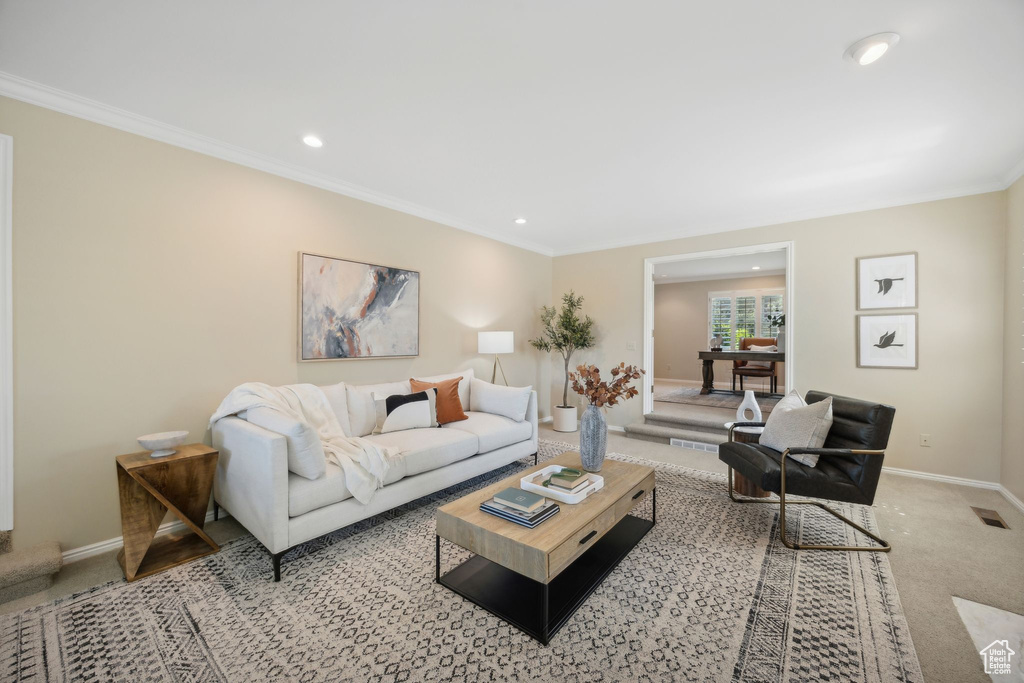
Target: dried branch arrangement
586,381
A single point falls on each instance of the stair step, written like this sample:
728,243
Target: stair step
662,434
692,423
23,572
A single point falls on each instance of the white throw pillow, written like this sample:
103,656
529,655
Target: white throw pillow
362,414
803,426
761,349
305,451
510,402
399,412
467,378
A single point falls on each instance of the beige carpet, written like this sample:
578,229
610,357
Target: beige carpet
707,595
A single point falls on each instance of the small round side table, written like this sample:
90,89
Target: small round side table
740,484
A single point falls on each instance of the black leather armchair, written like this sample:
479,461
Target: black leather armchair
848,466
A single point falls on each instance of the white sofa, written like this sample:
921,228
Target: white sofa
282,509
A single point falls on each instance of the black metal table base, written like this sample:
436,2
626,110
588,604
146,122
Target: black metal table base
540,609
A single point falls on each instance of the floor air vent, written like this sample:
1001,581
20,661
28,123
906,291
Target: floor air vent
990,517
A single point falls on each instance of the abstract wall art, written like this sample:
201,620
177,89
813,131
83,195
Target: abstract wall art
887,341
887,281
350,310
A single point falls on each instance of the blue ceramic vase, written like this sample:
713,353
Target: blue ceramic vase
593,438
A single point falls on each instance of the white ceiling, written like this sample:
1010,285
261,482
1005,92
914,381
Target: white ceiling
602,122
721,267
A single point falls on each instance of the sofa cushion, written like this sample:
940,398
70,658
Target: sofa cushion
493,431
361,412
337,396
422,450
305,451
512,402
305,495
467,379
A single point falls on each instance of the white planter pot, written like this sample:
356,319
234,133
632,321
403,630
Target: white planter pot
564,418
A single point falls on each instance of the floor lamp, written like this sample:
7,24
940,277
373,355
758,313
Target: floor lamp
496,342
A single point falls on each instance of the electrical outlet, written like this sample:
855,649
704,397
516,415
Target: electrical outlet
631,346
926,440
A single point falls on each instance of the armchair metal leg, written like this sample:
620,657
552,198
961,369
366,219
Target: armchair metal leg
782,503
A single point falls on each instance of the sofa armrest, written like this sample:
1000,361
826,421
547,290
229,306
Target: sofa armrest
531,417
252,479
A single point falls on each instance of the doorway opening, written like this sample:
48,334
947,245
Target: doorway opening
717,324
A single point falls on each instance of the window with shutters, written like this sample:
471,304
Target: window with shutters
771,307
721,319
738,314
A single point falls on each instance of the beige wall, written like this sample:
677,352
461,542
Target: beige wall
681,326
954,393
150,280
1012,473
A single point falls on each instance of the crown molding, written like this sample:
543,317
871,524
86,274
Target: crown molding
64,102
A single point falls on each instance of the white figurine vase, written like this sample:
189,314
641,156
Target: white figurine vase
749,405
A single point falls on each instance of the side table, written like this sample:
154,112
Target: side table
741,484
148,488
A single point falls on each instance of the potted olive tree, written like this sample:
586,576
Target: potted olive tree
565,332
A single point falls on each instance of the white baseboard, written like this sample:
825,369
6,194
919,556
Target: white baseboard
960,481
1014,500
975,483
93,549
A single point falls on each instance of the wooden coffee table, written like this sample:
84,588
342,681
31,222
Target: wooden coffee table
535,579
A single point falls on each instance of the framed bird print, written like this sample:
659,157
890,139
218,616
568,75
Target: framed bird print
887,281
887,341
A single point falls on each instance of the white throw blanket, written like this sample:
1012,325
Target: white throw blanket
364,463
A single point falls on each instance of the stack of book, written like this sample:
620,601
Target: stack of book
569,480
522,507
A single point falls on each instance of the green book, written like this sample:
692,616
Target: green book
519,499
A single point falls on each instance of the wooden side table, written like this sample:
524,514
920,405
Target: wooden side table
148,488
741,484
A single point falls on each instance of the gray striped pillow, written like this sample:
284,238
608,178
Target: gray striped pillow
805,427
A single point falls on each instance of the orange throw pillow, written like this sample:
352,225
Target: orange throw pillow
449,405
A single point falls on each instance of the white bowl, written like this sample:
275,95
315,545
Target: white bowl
162,444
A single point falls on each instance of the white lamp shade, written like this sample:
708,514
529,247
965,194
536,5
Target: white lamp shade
495,342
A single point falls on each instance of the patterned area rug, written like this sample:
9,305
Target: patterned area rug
707,595
692,396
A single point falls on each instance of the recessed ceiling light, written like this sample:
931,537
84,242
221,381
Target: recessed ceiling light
869,50
520,221
755,268
313,141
